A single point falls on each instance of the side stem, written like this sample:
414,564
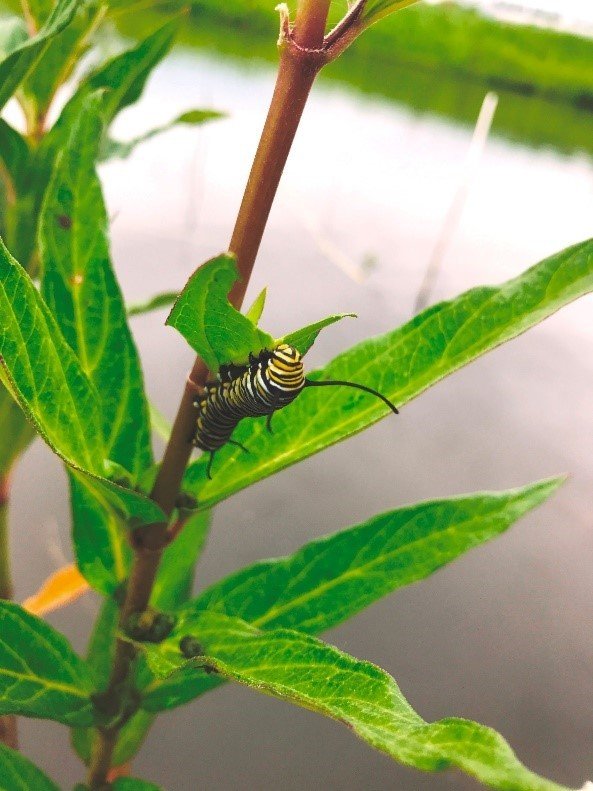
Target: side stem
296,73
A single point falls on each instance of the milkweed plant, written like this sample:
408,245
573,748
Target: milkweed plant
71,374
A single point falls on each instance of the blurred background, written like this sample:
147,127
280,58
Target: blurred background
383,173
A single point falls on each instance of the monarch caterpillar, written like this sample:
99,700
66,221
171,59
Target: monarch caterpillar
270,381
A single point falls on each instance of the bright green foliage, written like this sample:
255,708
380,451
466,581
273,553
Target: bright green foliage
374,10
14,157
13,33
123,77
303,339
255,311
38,10
17,432
40,675
401,365
117,148
103,553
175,578
133,784
208,321
304,671
157,302
333,578
15,67
80,289
17,773
46,379
61,57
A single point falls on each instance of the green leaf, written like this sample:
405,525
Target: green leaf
122,149
15,430
157,302
103,552
374,10
13,34
175,578
401,365
17,773
333,578
255,311
303,339
133,784
14,159
80,289
38,10
61,56
208,321
123,77
40,675
15,67
304,671
160,425
44,376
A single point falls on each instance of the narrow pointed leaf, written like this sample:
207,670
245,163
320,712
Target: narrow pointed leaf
333,578
164,300
255,311
302,670
15,67
17,773
159,423
209,323
121,149
80,289
60,589
401,365
14,157
133,784
38,10
303,339
40,675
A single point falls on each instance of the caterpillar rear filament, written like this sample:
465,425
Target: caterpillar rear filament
271,381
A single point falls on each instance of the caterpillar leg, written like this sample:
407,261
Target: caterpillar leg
238,444
269,423
209,467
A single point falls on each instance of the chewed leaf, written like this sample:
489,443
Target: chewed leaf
208,321
255,311
303,339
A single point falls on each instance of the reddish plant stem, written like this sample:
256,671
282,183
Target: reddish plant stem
298,68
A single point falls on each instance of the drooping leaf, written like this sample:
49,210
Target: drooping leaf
164,300
255,311
401,365
302,670
81,290
17,64
40,675
17,773
15,430
208,321
61,56
122,149
44,376
303,339
333,578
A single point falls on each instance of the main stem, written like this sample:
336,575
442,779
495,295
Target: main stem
296,73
